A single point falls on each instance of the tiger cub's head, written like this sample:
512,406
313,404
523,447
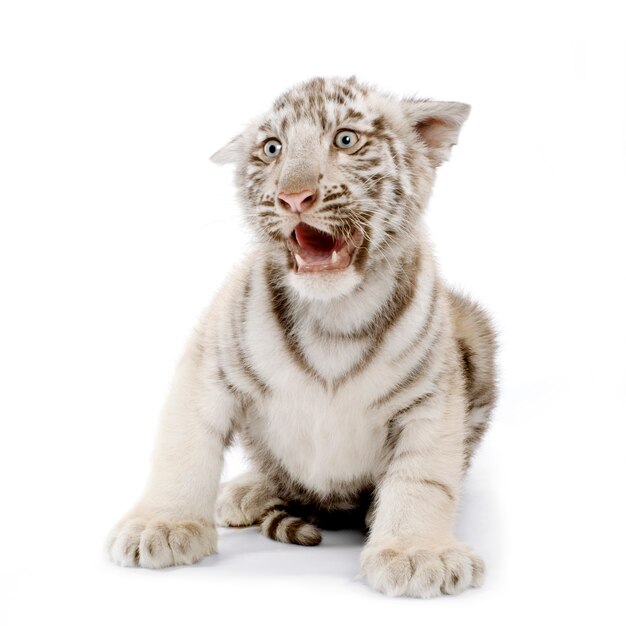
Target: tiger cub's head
334,178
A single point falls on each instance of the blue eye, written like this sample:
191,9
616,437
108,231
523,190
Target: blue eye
272,148
346,139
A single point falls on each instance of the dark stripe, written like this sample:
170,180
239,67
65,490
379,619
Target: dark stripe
332,207
367,162
353,114
228,385
394,428
238,331
270,529
415,375
396,305
426,326
335,196
473,439
269,217
400,475
438,485
265,513
466,363
249,372
394,432
323,118
293,528
280,305
483,403
412,405
331,335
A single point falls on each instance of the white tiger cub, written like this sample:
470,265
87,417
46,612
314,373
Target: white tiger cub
357,381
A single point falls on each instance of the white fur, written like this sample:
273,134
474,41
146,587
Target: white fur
323,432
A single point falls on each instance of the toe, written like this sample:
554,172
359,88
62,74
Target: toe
124,544
154,549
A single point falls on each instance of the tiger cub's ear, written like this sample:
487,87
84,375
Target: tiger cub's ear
229,153
438,124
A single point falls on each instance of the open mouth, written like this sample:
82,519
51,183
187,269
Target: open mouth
317,251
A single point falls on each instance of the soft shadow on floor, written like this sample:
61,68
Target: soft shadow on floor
248,552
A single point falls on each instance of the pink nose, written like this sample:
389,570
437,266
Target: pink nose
298,202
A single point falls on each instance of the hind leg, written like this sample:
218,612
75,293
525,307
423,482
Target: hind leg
245,500
252,499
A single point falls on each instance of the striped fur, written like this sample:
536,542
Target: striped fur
359,394
247,501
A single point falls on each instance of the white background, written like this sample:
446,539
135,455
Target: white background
116,231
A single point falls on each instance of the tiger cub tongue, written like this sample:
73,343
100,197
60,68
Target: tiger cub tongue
315,245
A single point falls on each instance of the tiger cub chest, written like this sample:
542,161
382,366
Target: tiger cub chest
323,440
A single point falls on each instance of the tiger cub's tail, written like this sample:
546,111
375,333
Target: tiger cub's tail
278,524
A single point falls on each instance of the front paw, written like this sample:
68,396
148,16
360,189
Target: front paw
421,572
155,542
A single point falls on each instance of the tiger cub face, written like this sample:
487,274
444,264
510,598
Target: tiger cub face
334,178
